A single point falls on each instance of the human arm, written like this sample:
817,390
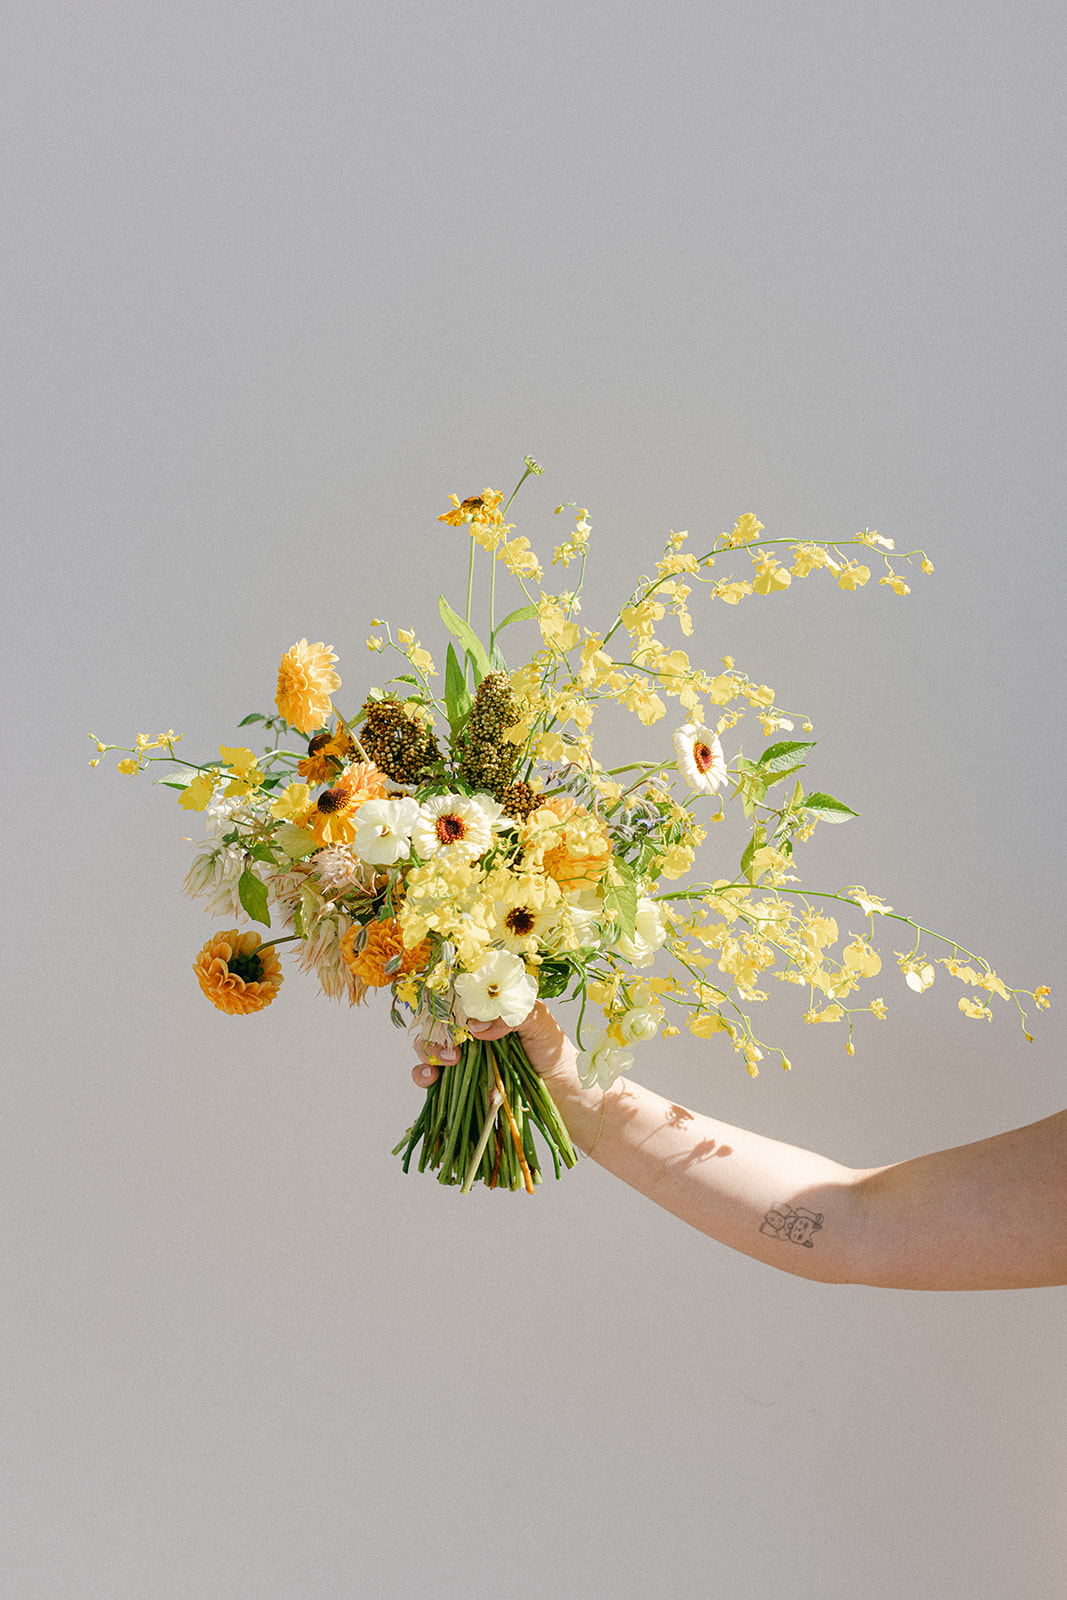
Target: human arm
983,1216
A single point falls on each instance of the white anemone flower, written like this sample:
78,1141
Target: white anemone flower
650,930
603,1061
452,824
501,987
383,830
700,758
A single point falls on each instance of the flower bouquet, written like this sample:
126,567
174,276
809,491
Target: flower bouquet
464,849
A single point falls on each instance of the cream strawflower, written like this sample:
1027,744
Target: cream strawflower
306,680
452,824
501,987
700,758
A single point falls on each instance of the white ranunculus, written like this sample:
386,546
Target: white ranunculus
501,987
383,830
641,1022
650,930
603,1061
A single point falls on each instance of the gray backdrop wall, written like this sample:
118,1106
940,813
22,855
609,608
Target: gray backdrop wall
279,279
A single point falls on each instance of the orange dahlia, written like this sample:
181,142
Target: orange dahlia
306,680
581,854
235,974
382,945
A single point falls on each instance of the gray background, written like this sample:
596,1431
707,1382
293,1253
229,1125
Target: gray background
280,279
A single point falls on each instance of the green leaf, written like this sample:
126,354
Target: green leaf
467,637
457,695
620,896
496,659
253,896
757,841
523,614
253,716
827,809
780,759
779,777
263,852
552,978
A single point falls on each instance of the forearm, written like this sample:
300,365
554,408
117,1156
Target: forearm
987,1215
790,1208
787,1207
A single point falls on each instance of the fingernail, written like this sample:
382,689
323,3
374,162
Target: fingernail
426,1074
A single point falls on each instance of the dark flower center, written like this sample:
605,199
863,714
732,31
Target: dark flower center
332,800
451,828
703,757
249,968
520,922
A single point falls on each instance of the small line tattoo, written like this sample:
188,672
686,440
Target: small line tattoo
794,1223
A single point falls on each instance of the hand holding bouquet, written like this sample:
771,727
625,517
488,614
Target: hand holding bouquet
466,851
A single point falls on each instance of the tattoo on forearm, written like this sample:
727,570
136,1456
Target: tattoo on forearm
794,1223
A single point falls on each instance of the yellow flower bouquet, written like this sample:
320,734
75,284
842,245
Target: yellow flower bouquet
467,852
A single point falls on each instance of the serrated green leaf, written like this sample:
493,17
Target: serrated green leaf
780,758
263,852
779,777
620,896
252,892
827,808
467,637
523,614
408,677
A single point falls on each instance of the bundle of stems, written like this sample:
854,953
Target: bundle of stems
478,1121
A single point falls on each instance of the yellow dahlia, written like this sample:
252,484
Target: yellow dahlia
582,849
383,943
235,974
306,680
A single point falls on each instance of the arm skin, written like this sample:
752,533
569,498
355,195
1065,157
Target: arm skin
991,1215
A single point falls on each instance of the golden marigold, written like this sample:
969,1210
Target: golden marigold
330,818
236,975
383,943
306,680
582,849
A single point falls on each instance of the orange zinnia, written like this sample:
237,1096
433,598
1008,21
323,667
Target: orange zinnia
383,943
236,975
